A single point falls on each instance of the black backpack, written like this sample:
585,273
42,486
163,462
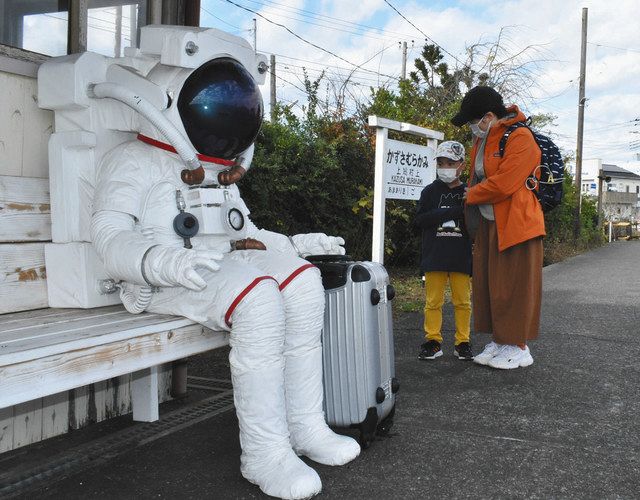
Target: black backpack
548,185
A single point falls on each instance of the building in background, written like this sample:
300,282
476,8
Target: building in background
620,195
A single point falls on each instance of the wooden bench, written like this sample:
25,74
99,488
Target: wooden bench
58,366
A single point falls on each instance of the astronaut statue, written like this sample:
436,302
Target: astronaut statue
170,225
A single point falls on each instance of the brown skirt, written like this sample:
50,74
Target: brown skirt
507,287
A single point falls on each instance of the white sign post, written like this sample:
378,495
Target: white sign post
402,170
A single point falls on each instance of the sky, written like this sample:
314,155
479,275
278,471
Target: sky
369,34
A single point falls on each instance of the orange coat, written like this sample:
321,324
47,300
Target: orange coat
517,211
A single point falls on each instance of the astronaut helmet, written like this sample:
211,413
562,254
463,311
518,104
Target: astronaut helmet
217,106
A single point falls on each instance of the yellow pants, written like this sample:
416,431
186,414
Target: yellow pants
460,283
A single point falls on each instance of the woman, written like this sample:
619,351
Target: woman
507,256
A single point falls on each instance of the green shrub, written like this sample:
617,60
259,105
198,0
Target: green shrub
308,177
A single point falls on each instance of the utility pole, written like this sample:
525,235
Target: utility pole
404,60
272,72
255,35
581,102
601,179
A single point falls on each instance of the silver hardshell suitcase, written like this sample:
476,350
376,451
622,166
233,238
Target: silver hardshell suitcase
357,346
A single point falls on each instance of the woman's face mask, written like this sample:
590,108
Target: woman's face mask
477,131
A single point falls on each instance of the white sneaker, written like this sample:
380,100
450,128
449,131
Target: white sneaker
490,350
511,356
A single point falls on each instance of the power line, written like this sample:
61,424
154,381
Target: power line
539,100
360,69
222,20
612,47
299,37
278,77
303,17
109,23
56,17
100,28
613,126
334,28
317,70
109,10
308,13
427,37
328,78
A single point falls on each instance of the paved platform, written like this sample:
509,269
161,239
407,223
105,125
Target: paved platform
566,427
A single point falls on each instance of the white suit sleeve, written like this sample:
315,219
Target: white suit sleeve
120,247
300,244
121,184
273,241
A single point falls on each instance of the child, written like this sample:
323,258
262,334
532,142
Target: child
446,252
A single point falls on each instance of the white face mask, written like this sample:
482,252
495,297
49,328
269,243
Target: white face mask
477,131
447,175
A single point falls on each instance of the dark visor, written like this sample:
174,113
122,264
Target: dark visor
221,108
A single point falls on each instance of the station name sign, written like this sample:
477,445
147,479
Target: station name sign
408,168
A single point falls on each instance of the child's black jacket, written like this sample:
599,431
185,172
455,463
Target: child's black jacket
445,242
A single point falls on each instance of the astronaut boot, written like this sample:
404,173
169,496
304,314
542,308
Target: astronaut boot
310,435
257,373
267,459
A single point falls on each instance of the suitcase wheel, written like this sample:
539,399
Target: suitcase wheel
386,424
368,428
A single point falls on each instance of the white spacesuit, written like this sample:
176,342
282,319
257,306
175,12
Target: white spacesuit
271,301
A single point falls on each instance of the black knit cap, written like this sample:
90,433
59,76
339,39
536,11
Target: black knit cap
476,103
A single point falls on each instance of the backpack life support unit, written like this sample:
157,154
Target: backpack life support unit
547,179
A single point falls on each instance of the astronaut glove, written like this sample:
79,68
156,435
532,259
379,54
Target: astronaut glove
317,244
170,266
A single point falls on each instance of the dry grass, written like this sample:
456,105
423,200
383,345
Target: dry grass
409,289
558,250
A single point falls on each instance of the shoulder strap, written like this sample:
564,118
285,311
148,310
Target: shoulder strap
509,131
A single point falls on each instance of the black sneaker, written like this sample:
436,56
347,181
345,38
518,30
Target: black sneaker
463,351
430,350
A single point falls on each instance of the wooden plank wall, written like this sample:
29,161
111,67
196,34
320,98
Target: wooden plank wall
25,225
25,221
24,194
24,128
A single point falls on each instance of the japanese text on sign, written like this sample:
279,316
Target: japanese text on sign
408,169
